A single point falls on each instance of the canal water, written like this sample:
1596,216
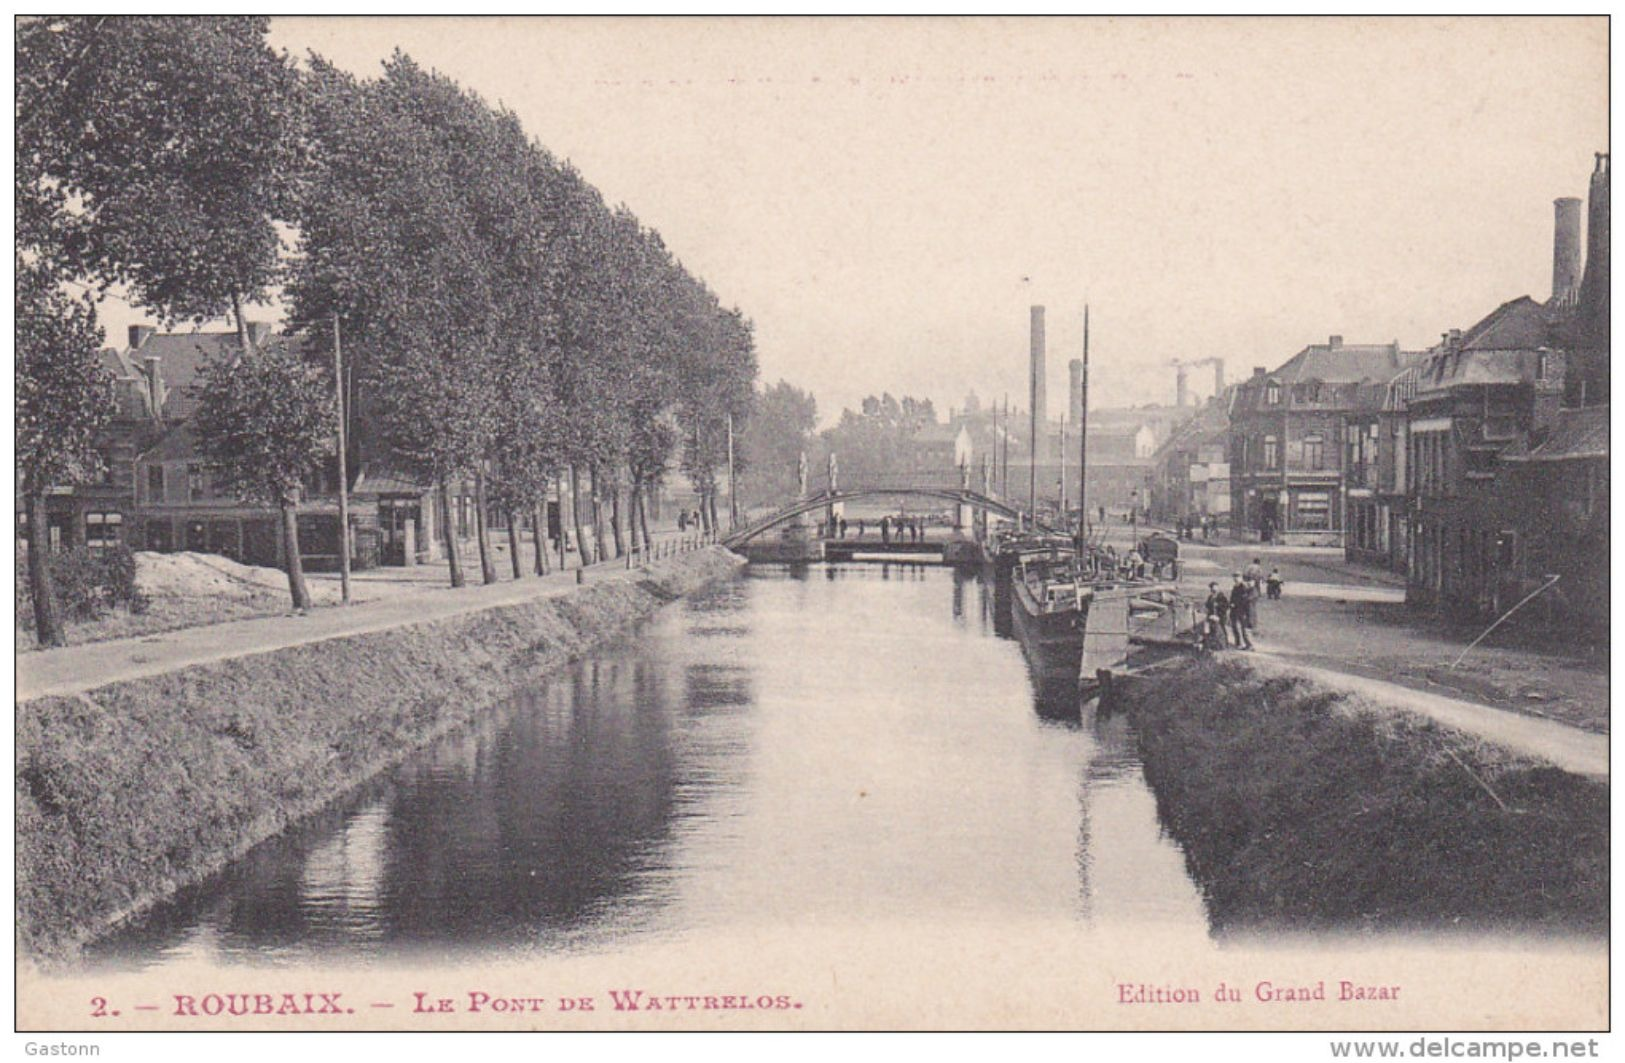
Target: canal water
834,745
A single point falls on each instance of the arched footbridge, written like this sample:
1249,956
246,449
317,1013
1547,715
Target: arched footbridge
823,500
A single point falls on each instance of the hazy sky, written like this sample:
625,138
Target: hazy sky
885,198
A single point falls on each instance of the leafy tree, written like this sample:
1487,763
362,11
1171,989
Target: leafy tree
265,423
63,400
178,141
716,385
873,445
387,245
777,434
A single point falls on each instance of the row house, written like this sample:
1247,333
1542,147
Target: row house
169,499
149,389
1287,439
175,502
1481,395
1556,496
1376,442
1508,456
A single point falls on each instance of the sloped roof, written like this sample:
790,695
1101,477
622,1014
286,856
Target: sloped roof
181,358
1576,434
1357,363
114,362
1211,424
381,479
1519,324
178,444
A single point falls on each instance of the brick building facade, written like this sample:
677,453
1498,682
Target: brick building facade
1287,435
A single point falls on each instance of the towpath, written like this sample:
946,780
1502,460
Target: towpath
1569,748
1348,625
76,669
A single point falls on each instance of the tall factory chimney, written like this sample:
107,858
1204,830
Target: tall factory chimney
1074,391
1181,386
1566,250
1594,301
1038,413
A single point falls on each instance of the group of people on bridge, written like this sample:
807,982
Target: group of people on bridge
901,529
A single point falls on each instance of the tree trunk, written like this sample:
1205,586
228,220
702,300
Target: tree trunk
713,502
488,568
615,520
47,617
598,539
290,555
634,495
513,543
540,510
643,516
242,325
452,558
582,548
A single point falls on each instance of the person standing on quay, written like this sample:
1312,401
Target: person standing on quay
1218,609
1241,601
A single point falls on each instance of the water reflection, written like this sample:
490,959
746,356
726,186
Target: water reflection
782,749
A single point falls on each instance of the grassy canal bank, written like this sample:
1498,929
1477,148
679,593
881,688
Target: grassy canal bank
138,788
1302,807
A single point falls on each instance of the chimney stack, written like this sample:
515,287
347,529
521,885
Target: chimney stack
1335,342
1566,250
1036,392
155,384
1594,295
1074,391
139,334
1259,371
1181,388
1218,377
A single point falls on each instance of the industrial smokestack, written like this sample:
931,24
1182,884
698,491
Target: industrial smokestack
1040,409
1181,386
1218,377
1566,249
1594,296
1074,391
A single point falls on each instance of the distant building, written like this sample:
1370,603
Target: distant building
1192,467
936,451
1287,429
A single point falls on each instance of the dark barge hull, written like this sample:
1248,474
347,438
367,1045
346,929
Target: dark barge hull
1054,641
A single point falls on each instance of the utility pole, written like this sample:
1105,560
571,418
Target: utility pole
1035,419
1061,479
733,492
344,478
1004,478
1083,438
